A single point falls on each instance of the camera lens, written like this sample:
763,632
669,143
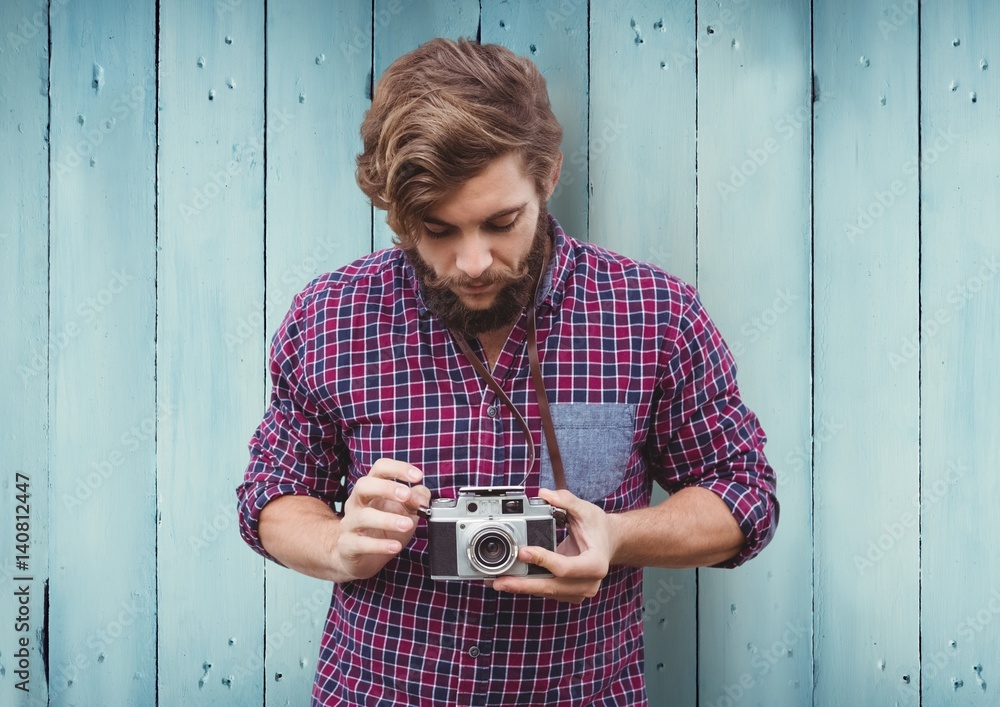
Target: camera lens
492,550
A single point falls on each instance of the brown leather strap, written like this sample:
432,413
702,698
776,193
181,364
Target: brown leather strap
495,387
548,429
543,403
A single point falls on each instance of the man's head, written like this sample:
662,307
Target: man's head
462,151
440,115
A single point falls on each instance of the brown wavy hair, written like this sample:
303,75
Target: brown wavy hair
439,115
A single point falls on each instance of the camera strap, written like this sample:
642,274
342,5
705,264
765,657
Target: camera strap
548,429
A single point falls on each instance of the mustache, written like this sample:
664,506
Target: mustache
502,275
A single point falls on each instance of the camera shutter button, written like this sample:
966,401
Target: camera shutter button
474,651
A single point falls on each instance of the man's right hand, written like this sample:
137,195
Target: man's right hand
380,517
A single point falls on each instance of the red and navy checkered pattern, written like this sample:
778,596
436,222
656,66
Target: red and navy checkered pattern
362,370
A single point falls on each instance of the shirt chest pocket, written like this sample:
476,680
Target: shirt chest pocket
595,442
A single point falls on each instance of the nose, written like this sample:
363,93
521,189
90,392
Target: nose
474,256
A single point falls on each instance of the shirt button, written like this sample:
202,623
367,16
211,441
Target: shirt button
492,411
474,651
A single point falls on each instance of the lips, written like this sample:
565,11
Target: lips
474,289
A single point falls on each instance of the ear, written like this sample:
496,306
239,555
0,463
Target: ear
554,177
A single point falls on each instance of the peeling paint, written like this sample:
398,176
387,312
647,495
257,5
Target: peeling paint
98,80
201,62
638,33
984,65
978,670
320,59
207,667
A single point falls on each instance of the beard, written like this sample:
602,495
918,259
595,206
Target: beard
518,288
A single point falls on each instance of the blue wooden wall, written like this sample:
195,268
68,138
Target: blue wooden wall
826,172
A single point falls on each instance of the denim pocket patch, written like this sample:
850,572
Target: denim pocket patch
595,442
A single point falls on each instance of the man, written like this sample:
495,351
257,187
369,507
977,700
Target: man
375,404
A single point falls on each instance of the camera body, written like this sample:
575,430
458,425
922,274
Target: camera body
478,534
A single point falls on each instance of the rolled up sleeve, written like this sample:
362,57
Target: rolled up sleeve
703,435
296,450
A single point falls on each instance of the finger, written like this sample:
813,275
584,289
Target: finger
367,519
354,545
370,490
565,499
386,468
562,566
561,590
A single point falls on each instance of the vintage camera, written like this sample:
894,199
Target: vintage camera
478,534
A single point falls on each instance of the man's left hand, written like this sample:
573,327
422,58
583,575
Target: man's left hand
580,562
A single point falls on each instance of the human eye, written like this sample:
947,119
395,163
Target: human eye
437,230
503,224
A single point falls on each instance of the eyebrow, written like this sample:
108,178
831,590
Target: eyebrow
491,217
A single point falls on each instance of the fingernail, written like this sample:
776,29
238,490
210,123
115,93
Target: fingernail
414,474
402,493
403,523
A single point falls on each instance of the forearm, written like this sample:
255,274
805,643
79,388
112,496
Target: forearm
692,528
301,532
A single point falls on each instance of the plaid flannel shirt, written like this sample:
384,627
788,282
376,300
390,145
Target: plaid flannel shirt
642,388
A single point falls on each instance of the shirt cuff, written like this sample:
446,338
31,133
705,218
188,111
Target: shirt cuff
755,511
252,496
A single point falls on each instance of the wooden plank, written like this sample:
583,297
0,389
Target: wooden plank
866,300
642,152
102,529
754,140
400,26
317,220
24,291
555,36
957,337
211,269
